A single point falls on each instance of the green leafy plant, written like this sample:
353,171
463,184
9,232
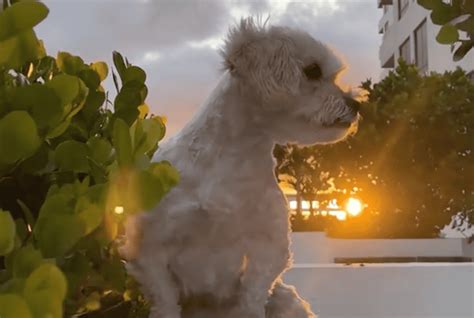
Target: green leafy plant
73,166
456,19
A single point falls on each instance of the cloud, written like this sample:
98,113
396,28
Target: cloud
176,41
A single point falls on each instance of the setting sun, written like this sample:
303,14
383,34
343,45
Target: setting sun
354,206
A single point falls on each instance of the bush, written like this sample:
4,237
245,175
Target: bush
71,170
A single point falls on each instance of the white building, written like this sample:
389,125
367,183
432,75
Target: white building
409,33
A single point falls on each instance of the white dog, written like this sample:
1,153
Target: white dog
218,243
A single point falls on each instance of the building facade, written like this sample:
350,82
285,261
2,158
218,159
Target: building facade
409,33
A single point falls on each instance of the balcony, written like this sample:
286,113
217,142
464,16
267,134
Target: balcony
384,2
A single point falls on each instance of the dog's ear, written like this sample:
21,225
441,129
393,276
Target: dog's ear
263,58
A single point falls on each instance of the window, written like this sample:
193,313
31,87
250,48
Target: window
402,7
405,51
421,47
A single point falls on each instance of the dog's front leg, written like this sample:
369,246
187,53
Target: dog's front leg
159,287
266,260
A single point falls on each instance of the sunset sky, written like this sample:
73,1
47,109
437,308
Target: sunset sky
177,41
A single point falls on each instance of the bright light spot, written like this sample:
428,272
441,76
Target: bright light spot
339,214
354,206
305,205
305,213
293,204
315,204
118,209
333,204
29,228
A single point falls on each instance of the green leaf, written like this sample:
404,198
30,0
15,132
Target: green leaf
166,172
127,101
56,204
147,134
150,190
25,261
7,233
13,306
69,63
69,228
41,102
442,14
468,6
133,73
20,17
99,149
20,49
155,182
26,213
122,143
21,229
18,137
101,69
66,87
90,78
90,214
94,100
13,285
462,50
71,155
43,305
467,25
46,277
119,63
59,129
430,4
114,273
448,34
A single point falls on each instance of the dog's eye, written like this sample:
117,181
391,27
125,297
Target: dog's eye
313,72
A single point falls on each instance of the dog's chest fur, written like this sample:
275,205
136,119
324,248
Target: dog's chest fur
226,203
223,211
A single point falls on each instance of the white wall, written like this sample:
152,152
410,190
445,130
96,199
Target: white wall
315,247
439,56
387,290
408,290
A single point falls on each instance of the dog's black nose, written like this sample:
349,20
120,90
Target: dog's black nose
352,104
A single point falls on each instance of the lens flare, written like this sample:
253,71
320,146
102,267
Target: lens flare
354,206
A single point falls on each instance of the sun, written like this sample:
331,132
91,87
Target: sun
354,206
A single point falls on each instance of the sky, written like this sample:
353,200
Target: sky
177,41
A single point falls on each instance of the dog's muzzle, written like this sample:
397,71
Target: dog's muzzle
349,117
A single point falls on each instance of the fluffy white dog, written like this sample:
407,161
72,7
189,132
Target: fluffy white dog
218,243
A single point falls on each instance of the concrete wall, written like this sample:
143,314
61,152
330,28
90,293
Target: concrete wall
408,290
315,247
387,290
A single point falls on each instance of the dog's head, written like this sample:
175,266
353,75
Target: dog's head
293,77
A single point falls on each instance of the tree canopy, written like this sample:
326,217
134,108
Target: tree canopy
411,161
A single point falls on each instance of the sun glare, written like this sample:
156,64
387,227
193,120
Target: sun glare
354,206
118,209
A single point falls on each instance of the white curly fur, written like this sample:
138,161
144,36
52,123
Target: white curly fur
218,243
